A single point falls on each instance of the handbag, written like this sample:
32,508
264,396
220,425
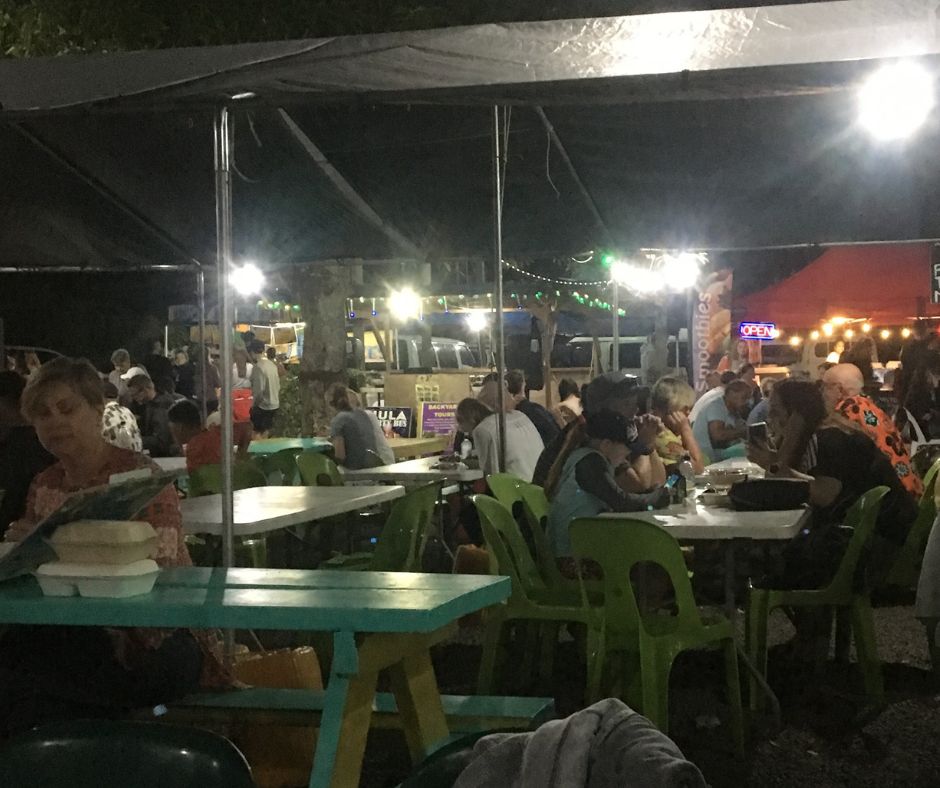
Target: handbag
279,755
762,495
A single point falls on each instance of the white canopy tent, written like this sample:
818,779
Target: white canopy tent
712,55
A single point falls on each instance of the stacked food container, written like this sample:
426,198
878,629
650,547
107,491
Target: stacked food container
101,558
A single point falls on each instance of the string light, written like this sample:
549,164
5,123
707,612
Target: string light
849,333
885,333
814,335
905,332
795,341
827,329
553,280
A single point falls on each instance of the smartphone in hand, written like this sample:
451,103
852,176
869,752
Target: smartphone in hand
757,434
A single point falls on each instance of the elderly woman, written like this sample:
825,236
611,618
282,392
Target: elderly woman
671,400
355,432
85,670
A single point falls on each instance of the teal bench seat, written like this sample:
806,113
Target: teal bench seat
263,705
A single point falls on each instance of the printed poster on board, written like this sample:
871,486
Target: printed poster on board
400,420
711,325
438,418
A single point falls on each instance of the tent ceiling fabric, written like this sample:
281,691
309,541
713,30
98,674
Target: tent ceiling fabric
884,284
453,63
791,168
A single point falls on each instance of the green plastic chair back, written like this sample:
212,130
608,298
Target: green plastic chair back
506,488
207,480
905,570
284,462
861,518
844,594
507,546
639,648
618,546
402,540
318,470
92,753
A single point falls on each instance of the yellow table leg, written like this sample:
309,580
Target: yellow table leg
419,704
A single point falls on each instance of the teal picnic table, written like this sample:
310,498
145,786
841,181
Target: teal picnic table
274,445
379,620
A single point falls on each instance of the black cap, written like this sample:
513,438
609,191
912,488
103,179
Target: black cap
612,426
610,386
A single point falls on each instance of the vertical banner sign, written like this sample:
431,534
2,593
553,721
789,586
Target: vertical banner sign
935,283
711,325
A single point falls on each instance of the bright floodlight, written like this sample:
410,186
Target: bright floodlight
247,280
476,320
620,272
895,101
404,304
681,271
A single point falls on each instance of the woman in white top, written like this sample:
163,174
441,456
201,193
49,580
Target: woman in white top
523,442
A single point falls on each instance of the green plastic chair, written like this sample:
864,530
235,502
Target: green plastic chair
91,753
401,543
284,464
842,593
207,480
506,488
318,470
531,601
905,569
646,644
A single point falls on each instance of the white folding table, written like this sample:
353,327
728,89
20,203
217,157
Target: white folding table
260,510
412,472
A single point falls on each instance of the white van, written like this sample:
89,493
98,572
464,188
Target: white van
448,353
579,350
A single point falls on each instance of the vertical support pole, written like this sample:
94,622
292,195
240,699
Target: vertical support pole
203,361
498,268
615,303
223,218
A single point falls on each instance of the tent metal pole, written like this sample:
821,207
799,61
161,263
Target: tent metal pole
203,361
224,141
498,263
615,334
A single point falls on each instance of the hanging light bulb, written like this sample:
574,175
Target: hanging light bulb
814,335
849,333
905,332
796,341
885,333
866,327
827,329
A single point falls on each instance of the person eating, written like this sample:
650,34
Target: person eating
720,428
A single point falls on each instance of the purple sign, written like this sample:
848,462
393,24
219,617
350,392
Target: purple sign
438,418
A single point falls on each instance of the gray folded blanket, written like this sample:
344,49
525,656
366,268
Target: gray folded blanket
607,745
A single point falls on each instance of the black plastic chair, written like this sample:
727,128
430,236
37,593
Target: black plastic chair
92,753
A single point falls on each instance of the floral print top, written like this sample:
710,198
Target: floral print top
876,424
49,491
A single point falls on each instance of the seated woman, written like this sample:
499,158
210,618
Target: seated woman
354,432
523,442
841,463
671,400
581,482
53,672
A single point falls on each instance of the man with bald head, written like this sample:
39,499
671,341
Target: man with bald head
842,390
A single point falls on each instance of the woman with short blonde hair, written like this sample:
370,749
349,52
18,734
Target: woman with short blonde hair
671,400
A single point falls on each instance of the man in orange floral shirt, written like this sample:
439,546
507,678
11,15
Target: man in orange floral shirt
842,389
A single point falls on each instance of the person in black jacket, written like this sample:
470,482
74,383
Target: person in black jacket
22,456
154,420
539,416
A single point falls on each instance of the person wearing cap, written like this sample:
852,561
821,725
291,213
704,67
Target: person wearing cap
619,392
585,484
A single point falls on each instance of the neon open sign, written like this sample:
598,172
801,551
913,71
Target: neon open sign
761,331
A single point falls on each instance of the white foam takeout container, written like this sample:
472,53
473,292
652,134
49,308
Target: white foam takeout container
58,578
104,541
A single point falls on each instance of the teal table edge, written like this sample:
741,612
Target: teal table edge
191,598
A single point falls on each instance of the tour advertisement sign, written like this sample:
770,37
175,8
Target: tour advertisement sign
438,418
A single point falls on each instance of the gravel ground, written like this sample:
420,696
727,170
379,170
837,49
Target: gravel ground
826,739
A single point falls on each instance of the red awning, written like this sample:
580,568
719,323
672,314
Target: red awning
886,284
